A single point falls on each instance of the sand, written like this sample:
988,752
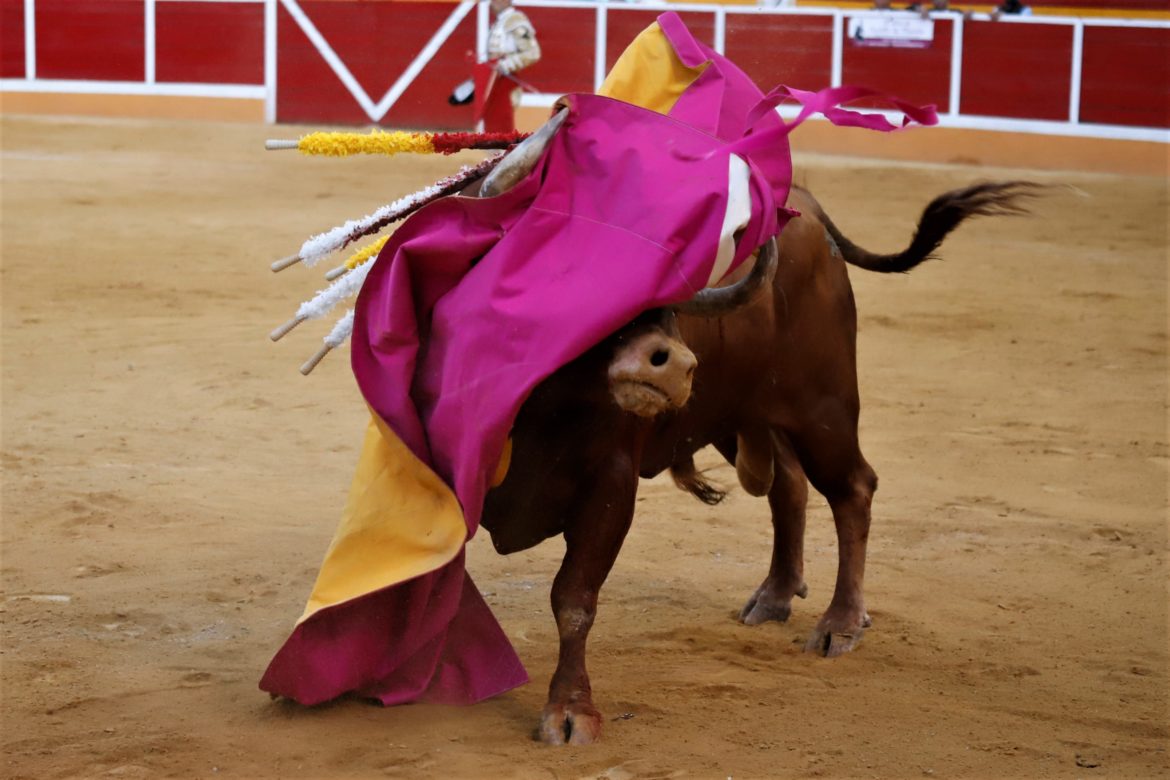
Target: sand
170,483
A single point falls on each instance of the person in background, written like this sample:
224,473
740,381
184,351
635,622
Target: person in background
926,9
1011,8
511,39
512,46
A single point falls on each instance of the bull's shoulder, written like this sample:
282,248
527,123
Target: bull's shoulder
805,242
802,200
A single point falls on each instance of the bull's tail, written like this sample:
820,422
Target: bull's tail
690,479
941,216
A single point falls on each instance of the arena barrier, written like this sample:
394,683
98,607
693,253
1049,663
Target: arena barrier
394,62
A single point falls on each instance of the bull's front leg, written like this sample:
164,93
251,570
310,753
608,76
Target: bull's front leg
593,536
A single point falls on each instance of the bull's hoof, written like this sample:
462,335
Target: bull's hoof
570,724
832,638
770,602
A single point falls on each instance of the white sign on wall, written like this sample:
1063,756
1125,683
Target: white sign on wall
892,28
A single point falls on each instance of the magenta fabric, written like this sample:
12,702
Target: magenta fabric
473,302
724,102
623,214
400,645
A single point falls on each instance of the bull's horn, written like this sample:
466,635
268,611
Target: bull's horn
520,161
717,301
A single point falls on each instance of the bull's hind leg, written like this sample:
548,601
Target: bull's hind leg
835,466
787,497
593,537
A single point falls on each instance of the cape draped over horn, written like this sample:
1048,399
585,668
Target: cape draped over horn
470,305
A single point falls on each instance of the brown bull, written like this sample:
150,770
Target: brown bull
770,382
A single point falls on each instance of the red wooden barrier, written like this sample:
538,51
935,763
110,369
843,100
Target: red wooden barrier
209,43
1016,70
12,39
790,50
566,37
95,39
1126,76
306,89
424,104
377,42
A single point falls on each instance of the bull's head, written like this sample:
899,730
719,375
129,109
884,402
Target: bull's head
652,368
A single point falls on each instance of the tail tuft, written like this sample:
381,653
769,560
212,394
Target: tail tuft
688,478
939,218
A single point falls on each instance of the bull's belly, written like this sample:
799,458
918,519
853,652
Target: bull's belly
516,526
536,496
670,444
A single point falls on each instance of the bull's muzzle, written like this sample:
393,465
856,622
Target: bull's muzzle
651,374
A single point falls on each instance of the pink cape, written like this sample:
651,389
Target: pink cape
473,302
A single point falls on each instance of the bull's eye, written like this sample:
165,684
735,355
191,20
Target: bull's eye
659,358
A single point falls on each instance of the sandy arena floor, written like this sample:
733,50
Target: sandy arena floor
170,483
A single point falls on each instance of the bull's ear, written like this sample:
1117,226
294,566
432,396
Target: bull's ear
520,161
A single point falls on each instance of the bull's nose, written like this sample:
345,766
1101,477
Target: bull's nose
669,356
665,356
653,366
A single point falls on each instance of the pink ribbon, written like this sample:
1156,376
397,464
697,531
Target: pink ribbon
828,103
